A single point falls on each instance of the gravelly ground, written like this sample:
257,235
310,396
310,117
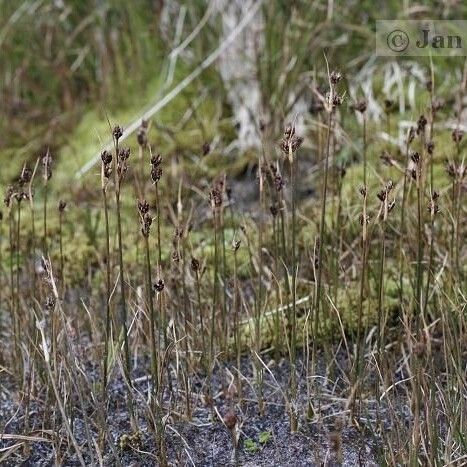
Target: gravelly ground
200,441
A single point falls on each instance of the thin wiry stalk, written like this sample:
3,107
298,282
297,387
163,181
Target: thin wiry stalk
364,253
224,336
33,226
293,343
213,313
17,301
237,334
419,265
60,237
107,296
13,291
402,221
1,288
363,274
322,230
259,298
123,308
154,354
204,351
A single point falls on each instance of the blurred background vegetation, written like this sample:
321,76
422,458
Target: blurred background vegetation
68,66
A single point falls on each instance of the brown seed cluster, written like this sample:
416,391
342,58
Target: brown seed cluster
421,124
122,162
145,217
360,106
159,285
457,172
290,142
142,135
386,205
433,207
216,195
106,159
117,132
156,170
195,265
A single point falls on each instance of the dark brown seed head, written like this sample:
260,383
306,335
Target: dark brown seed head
61,206
337,100
421,124
278,182
142,135
206,149
194,264
363,220
429,85
291,144
117,132
451,169
25,176
360,106
363,191
106,157
215,197
335,77
382,195
388,105
415,156
146,222
274,210
430,147
156,159
433,207
159,285
143,207
411,135
156,170
49,304
236,245
123,154
156,174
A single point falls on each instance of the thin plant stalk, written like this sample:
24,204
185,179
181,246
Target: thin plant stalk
118,173
293,343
